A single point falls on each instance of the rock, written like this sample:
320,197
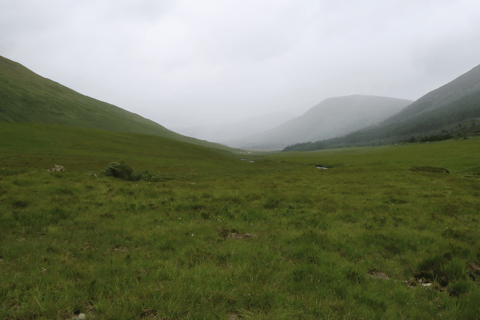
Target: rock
81,316
57,168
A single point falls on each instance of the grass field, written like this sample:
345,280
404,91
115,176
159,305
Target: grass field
223,238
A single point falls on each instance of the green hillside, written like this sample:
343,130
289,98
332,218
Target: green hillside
457,102
28,97
81,144
382,234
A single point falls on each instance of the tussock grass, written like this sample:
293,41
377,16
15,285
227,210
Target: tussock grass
74,243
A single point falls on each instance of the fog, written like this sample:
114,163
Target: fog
191,63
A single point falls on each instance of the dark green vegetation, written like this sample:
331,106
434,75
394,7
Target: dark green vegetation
358,240
28,97
453,110
125,172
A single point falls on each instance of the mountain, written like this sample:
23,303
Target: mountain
452,103
27,97
330,118
228,133
457,96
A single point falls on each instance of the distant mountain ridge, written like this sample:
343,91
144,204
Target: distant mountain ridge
27,97
330,118
454,102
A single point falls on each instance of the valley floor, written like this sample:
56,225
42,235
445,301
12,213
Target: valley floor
367,238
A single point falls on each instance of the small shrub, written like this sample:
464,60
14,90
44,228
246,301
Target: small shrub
119,170
125,172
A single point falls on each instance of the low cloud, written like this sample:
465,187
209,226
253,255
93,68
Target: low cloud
221,61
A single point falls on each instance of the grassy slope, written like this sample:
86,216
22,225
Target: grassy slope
463,87
28,97
115,250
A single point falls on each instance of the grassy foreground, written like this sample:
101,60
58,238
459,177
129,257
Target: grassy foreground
367,238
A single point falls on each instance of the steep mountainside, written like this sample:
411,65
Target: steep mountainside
331,118
28,97
446,97
455,102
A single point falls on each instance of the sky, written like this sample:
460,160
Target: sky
201,62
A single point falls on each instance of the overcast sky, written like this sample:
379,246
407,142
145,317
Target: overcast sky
192,62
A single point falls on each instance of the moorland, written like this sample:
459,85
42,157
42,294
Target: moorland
388,232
